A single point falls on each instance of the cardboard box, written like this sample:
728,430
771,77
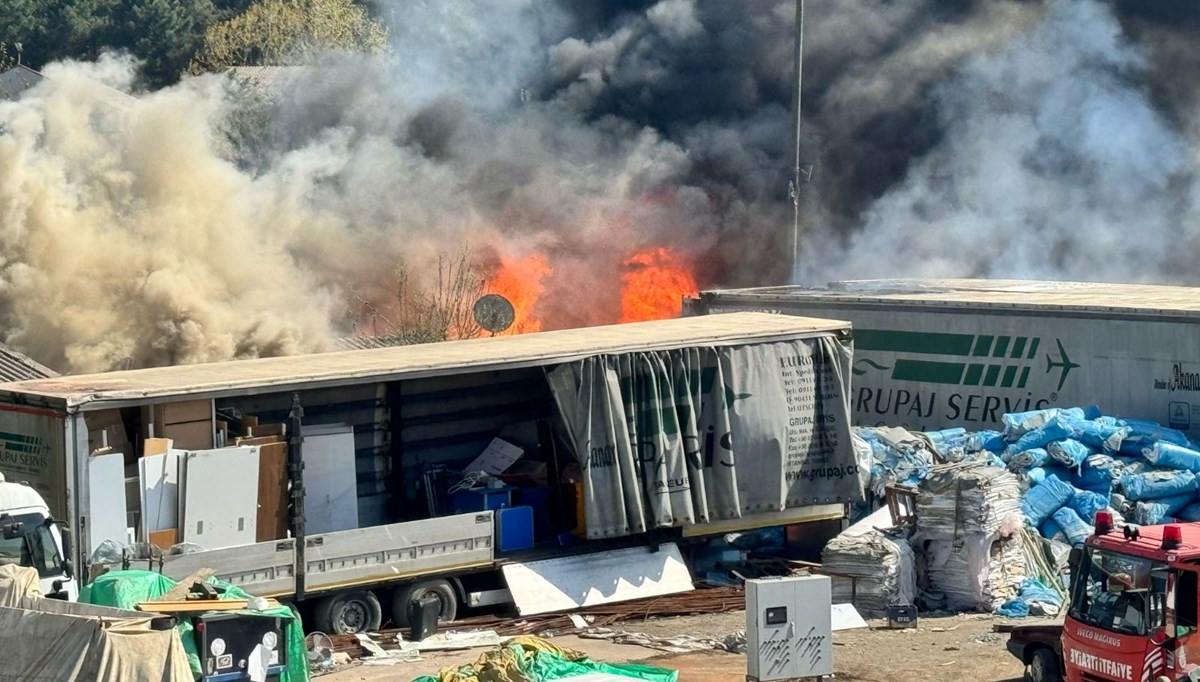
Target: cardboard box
190,435
106,422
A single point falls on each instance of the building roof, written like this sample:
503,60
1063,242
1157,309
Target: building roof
1142,299
16,366
17,80
303,372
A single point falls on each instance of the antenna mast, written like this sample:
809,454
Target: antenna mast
798,172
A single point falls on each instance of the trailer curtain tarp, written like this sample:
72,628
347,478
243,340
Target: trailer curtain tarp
677,437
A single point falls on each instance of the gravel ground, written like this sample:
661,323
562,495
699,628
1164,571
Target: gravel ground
961,647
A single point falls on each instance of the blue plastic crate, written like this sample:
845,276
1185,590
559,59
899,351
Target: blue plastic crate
514,529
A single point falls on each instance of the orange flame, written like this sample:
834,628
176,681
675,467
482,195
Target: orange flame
521,282
653,285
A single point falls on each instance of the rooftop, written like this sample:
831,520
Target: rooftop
302,372
16,366
17,80
1000,293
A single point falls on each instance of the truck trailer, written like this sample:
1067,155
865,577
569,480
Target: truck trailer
550,470
932,354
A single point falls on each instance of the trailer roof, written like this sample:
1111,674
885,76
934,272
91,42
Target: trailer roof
997,293
301,372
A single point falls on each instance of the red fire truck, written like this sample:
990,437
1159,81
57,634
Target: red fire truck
1133,614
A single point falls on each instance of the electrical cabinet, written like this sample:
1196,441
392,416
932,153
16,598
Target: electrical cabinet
788,628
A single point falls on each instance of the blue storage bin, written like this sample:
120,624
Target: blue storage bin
514,529
483,499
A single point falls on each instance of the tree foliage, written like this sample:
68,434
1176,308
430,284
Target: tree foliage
166,35
428,311
288,32
7,61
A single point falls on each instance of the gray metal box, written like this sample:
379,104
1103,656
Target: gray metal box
788,628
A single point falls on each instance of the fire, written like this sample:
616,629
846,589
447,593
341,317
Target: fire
520,280
653,283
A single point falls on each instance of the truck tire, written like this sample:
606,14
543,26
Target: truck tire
1043,666
349,613
405,595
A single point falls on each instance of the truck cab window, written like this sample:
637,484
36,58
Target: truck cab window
35,546
1185,599
1115,592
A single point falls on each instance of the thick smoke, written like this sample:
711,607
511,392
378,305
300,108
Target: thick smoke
1054,163
995,137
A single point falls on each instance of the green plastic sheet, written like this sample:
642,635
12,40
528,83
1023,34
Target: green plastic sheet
126,589
531,659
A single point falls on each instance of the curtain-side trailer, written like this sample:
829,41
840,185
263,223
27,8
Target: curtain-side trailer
932,354
347,482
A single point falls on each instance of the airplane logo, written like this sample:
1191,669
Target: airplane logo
1064,363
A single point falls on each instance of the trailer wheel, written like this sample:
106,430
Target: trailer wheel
405,595
349,613
1043,666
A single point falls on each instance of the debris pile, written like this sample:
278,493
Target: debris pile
701,600
997,510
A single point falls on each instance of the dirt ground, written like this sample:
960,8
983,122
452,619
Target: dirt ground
944,648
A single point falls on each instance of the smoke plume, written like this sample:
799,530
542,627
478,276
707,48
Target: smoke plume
559,140
1053,162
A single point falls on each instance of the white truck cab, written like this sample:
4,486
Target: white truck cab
29,536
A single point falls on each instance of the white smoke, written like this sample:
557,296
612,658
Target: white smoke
1053,163
994,137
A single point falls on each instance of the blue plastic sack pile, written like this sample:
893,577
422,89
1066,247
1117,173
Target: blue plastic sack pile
1073,462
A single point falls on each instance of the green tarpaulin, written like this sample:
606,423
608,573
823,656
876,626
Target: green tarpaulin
531,659
126,589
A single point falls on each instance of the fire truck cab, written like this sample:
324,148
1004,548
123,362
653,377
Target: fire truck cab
1134,601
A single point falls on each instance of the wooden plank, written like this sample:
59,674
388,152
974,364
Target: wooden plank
198,605
272,491
268,430
186,411
265,440
190,435
164,539
156,446
181,590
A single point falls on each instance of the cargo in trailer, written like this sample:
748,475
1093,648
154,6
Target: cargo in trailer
930,354
351,482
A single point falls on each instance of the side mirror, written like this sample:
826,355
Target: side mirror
65,532
12,530
68,568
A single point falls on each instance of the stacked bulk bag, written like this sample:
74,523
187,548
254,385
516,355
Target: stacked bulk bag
967,516
881,563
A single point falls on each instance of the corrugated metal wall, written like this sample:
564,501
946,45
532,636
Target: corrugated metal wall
445,420
450,420
363,407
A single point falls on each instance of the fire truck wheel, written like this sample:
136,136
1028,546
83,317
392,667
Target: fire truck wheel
349,613
1043,666
405,595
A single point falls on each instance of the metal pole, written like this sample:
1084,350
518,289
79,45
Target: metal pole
296,469
799,67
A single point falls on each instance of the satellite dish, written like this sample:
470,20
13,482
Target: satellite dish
494,313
